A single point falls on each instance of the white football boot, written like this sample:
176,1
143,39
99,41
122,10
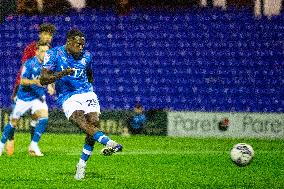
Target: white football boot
80,171
34,150
1,148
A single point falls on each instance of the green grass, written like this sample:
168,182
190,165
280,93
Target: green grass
146,162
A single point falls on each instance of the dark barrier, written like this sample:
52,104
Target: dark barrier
111,122
157,122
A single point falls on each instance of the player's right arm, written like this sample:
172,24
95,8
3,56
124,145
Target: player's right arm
48,74
25,81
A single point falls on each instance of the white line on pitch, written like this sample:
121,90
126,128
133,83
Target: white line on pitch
176,152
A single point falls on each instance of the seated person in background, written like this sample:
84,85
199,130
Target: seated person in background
29,7
137,121
123,7
51,7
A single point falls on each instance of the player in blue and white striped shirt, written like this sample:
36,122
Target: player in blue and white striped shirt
70,67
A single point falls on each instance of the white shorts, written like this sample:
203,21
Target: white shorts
21,107
88,102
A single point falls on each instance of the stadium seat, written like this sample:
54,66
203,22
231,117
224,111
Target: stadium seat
197,60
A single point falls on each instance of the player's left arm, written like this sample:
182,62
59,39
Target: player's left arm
90,75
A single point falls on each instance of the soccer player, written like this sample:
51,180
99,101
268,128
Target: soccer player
30,96
46,32
75,93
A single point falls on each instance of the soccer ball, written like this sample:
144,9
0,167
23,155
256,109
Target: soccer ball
242,154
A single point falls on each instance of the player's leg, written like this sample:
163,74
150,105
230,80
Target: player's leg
111,145
92,111
19,109
86,122
75,109
89,123
33,124
10,146
78,118
40,113
9,130
87,151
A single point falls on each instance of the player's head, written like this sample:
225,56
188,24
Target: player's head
46,32
75,42
138,108
41,48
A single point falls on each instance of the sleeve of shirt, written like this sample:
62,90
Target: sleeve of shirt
28,53
89,69
17,82
89,61
18,78
26,73
49,61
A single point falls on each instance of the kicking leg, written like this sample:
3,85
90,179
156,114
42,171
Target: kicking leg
89,123
111,146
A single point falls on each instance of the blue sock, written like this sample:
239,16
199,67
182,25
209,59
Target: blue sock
8,130
87,150
101,137
11,136
39,129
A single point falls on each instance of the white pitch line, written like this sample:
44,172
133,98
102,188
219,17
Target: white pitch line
157,152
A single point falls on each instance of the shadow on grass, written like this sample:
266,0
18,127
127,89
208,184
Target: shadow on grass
90,175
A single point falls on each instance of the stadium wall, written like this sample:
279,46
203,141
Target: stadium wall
175,124
111,122
240,125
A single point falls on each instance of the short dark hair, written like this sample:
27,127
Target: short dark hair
74,32
47,27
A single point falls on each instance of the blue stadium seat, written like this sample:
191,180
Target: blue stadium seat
217,59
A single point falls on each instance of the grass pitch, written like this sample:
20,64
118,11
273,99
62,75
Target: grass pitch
146,162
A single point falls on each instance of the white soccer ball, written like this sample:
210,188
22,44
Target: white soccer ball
242,154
